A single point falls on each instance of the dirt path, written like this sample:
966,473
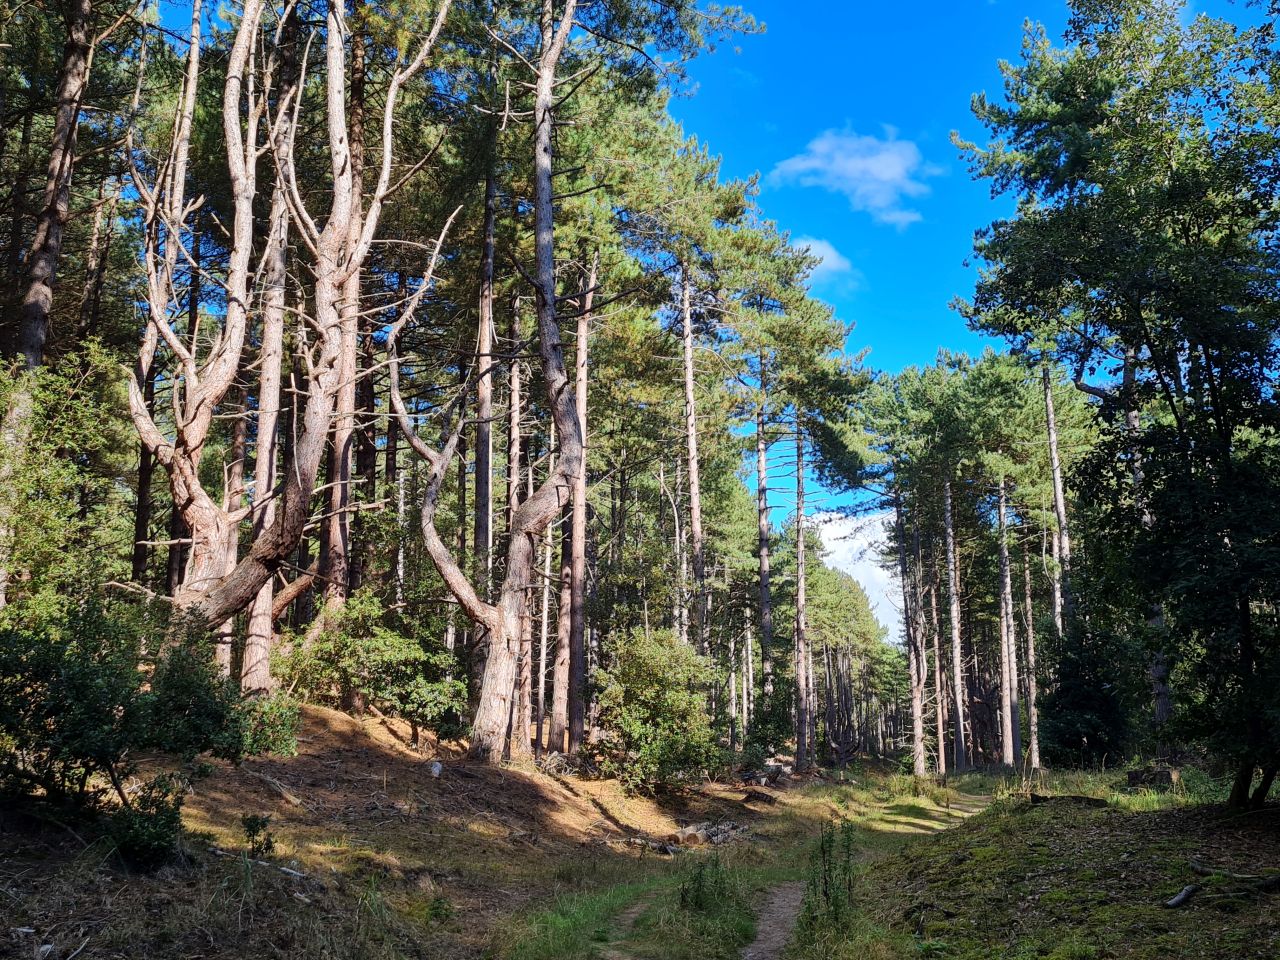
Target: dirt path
777,918
775,922
624,923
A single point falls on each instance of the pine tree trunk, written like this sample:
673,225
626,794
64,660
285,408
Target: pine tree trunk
255,675
560,676
1066,604
961,756
702,623
142,510
523,719
762,519
733,692
338,547
55,210
915,650
1033,716
96,260
1158,669
232,500
46,244
578,568
489,735
482,538
1055,583
1011,725
748,675
803,747
18,219
939,694
216,600
540,710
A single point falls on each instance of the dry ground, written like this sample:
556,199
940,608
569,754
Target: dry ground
395,862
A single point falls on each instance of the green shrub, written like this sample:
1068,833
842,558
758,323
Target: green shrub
828,899
73,696
83,692
257,834
146,831
706,885
771,724
192,709
270,725
356,658
653,710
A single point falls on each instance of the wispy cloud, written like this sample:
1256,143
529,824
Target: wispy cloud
878,175
853,545
833,266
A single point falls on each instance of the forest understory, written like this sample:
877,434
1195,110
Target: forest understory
361,850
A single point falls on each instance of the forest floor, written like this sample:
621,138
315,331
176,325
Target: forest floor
374,857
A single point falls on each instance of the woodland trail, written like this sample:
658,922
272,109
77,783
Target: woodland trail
776,921
777,918
624,923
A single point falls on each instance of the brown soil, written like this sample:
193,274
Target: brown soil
432,862
775,921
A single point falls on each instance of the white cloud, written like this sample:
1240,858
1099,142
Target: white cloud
877,175
853,545
832,263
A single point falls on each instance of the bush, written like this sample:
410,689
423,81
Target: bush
356,659
653,710
146,832
257,834
82,693
828,898
706,885
192,709
771,724
270,725
73,696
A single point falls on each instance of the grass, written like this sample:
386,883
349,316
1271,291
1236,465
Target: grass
574,926
648,919
1065,881
512,864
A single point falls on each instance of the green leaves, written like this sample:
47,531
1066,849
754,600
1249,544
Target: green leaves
653,708
357,655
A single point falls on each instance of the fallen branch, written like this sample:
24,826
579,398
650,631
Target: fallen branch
1204,870
1184,896
275,785
1252,884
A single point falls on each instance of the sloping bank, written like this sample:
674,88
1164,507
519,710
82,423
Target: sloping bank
1068,879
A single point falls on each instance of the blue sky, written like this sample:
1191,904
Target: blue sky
846,108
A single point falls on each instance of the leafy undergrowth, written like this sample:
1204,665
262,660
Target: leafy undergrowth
1067,880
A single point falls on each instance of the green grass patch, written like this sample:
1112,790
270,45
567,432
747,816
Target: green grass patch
575,926
706,915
